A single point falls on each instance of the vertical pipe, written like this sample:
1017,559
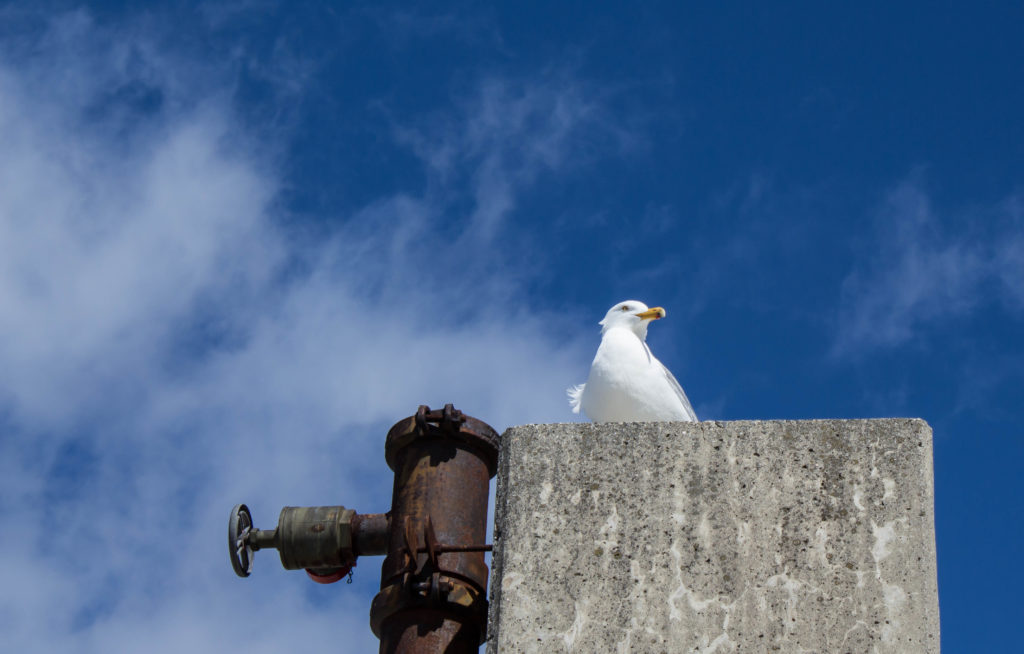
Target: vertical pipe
435,601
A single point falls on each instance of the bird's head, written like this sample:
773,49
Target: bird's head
633,315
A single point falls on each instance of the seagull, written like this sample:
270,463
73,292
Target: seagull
627,383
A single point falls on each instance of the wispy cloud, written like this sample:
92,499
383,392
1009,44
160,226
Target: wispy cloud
918,273
1008,253
507,134
169,348
469,24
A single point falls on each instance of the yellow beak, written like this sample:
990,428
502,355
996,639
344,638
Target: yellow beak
651,314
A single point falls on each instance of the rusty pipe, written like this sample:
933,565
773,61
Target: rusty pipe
434,578
370,534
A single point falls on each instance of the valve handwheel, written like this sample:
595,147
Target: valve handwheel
241,551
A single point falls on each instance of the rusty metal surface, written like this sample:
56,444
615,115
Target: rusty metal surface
370,533
434,574
428,631
454,425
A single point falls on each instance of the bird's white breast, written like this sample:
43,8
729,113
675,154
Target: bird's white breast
627,383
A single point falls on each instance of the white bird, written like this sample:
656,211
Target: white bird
627,383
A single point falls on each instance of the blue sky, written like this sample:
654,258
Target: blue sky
239,240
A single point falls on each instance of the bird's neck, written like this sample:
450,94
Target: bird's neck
639,332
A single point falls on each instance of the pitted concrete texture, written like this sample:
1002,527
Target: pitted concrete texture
766,536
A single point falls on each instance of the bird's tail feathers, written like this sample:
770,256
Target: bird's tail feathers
575,397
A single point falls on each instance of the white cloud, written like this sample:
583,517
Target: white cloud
508,134
1008,254
162,359
917,275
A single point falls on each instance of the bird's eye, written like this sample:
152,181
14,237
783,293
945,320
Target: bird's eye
625,308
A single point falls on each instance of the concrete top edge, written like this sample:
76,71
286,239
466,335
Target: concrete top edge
591,425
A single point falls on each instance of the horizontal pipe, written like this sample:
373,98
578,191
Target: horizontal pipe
370,532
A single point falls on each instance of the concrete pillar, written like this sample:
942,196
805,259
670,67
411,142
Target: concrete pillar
753,536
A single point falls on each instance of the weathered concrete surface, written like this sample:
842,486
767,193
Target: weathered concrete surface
780,536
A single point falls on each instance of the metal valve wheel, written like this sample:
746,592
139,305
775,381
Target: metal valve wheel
239,527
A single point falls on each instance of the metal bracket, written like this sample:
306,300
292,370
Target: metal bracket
431,547
448,419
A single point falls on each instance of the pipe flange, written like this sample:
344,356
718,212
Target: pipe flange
448,423
438,592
